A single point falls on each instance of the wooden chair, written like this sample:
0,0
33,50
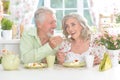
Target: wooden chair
21,29
105,21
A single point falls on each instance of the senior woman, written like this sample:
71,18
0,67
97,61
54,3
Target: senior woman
77,42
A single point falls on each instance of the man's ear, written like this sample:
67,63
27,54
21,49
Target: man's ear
39,25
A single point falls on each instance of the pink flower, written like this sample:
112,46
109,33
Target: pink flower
109,41
114,38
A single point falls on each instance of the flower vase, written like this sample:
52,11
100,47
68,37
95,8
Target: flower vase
7,34
114,55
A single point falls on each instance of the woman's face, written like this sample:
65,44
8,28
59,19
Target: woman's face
73,28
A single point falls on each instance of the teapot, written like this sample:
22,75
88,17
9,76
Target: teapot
10,61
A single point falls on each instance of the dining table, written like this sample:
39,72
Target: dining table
59,72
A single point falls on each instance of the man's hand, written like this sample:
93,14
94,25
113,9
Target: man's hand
55,41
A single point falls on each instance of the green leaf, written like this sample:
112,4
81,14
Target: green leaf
6,24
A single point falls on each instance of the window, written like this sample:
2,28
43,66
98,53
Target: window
64,7
86,11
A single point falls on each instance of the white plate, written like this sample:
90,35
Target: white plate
74,64
35,65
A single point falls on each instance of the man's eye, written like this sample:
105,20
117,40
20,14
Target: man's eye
52,22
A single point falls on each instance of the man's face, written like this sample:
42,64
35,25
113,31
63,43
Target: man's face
49,24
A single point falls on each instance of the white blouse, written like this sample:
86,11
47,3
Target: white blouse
72,57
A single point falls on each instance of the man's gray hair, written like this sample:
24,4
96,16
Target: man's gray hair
40,14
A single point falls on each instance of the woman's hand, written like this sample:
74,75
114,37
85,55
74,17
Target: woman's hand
60,57
97,60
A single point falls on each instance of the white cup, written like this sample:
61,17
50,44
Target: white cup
89,59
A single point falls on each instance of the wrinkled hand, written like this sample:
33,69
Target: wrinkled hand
96,60
60,57
55,41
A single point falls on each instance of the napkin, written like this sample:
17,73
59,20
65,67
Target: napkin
105,63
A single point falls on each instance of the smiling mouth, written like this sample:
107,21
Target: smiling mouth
52,31
72,34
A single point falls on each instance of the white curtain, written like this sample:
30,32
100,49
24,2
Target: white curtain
22,11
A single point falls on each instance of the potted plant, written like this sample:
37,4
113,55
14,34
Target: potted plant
7,28
112,44
110,41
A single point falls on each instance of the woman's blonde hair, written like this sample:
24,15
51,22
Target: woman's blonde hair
85,33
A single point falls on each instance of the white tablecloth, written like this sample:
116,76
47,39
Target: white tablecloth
60,73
